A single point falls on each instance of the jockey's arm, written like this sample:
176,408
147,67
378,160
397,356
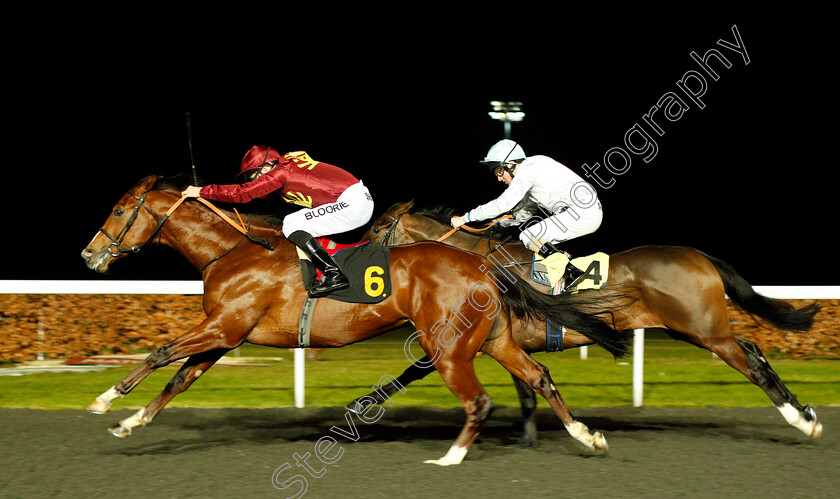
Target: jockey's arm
510,198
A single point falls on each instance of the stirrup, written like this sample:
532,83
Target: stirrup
572,277
333,281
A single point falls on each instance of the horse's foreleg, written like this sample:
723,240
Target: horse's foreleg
189,372
460,378
521,365
154,360
418,370
207,336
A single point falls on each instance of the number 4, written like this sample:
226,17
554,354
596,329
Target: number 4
593,272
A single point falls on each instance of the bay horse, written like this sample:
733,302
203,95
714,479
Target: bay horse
679,289
456,300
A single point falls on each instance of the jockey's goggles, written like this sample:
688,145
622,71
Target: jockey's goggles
499,168
254,174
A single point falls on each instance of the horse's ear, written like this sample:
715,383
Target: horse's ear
146,184
405,207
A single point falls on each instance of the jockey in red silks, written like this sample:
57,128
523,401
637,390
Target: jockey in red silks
334,202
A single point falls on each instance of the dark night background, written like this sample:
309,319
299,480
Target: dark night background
749,179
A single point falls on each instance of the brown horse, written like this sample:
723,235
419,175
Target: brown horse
676,288
255,295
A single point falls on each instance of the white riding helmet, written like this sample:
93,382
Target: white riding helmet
504,151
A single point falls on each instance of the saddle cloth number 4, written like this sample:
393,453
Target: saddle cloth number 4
596,267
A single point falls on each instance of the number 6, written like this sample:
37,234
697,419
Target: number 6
374,286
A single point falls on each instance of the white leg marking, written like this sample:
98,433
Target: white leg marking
454,456
581,433
795,418
138,419
102,404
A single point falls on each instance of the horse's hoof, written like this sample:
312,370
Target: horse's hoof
528,443
529,435
119,431
361,404
600,443
454,456
817,431
358,406
99,407
439,462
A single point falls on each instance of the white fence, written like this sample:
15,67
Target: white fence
196,288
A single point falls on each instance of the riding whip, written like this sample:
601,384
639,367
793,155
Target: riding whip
189,141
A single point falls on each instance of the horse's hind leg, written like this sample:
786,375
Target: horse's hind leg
189,372
746,357
524,367
528,402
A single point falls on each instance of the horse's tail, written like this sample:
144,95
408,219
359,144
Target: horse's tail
779,313
583,312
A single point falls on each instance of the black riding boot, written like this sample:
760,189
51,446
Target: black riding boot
334,279
572,274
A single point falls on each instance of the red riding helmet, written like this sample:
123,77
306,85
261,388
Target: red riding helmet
257,157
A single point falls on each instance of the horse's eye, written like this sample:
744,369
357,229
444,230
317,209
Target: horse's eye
118,212
375,231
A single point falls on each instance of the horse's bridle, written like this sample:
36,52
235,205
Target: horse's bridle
390,232
116,249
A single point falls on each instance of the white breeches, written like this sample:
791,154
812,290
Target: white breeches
569,224
351,210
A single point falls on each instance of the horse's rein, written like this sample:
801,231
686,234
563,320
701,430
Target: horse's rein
445,236
115,248
240,227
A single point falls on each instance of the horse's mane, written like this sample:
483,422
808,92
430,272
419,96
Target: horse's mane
265,211
438,212
443,214
177,183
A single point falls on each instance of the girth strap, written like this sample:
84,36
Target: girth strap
305,324
554,336
554,332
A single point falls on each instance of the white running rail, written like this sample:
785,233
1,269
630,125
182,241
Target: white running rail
197,288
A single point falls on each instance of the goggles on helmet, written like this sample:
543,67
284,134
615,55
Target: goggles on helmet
255,173
500,167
